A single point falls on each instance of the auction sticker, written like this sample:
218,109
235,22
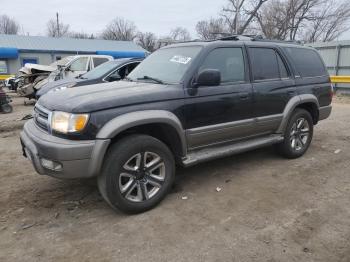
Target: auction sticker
180,59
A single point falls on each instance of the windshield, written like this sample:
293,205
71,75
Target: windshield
100,71
166,65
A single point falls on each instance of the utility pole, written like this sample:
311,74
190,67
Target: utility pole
58,25
237,16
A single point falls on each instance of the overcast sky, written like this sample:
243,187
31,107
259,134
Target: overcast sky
91,16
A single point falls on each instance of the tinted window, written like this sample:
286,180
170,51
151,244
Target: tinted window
307,62
264,63
229,61
99,60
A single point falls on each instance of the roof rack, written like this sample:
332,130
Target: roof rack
259,38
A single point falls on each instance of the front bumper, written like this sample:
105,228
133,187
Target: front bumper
79,159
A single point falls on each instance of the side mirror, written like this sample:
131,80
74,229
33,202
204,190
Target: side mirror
208,77
114,77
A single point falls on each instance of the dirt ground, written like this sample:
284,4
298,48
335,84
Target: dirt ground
269,208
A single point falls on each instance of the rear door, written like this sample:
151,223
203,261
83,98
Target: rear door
221,113
272,84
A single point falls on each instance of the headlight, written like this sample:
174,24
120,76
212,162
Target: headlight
68,123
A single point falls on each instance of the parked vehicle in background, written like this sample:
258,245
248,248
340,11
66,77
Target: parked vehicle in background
184,104
107,72
32,76
5,101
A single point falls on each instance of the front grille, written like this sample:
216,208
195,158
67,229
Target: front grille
42,117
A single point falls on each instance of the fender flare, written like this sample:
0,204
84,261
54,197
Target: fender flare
128,120
292,104
133,119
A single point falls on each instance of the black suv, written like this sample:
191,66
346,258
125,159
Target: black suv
184,104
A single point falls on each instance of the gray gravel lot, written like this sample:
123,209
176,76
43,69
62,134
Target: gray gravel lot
269,208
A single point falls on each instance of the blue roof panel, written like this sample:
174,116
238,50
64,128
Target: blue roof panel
42,43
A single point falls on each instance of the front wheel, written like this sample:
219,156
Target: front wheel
298,134
137,174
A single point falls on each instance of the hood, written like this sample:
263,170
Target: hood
27,69
85,99
47,86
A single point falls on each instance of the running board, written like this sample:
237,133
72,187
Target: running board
202,155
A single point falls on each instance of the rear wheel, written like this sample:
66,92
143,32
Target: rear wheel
298,134
137,174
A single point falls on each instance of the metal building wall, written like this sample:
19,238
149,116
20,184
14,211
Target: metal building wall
336,56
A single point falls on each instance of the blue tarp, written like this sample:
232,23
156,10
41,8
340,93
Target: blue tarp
7,52
122,54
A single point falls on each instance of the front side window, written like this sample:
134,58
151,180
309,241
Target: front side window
229,61
79,64
167,65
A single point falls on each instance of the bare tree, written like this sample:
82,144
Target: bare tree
180,34
328,22
211,29
8,25
310,20
55,28
240,14
120,29
147,41
81,35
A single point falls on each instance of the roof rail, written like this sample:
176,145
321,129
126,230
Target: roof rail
259,38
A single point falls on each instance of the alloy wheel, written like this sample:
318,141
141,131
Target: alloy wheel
299,134
142,176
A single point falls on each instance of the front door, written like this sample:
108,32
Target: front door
78,67
216,114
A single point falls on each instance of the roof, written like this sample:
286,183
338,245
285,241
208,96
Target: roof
42,43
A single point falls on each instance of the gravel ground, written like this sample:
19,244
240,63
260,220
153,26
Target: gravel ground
268,209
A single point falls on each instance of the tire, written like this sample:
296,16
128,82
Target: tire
6,108
137,173
298,135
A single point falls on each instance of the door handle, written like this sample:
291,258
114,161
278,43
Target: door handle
291,93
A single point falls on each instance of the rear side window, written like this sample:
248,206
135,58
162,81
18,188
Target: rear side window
229,61
99,60
267,64
307,62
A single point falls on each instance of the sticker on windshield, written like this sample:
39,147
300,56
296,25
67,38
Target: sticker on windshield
180,59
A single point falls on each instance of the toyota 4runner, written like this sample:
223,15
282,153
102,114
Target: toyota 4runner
184,104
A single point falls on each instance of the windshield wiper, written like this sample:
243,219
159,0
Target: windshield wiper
151,78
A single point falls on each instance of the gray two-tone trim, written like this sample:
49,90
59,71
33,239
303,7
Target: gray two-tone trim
226,132
324,112
129,120
292,104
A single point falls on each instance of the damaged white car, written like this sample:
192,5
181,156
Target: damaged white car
32,77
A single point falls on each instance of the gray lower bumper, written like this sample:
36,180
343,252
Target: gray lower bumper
79,159
324,112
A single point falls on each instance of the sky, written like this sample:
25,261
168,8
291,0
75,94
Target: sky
91,16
